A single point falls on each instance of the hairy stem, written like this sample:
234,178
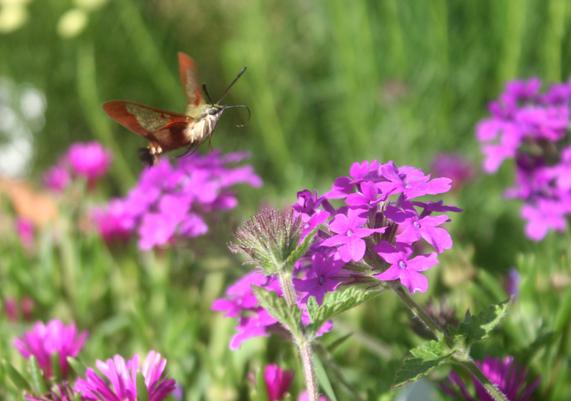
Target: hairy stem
301,341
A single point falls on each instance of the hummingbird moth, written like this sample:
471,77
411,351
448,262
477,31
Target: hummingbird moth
166,130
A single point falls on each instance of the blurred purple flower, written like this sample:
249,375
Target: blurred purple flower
512,282
18,309
118,379
57,178
45,340
89,160
532,129
277,382
170,201
453,166
25,230
505,373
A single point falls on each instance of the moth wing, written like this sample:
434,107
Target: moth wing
189,79
143,120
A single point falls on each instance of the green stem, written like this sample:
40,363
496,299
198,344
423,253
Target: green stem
490,387
460,358
301,341
419,312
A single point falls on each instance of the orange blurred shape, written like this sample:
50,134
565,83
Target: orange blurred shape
39,207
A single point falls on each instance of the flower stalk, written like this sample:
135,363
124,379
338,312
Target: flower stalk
460,358
302,343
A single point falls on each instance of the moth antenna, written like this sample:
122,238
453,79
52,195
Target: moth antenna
205,90
242,71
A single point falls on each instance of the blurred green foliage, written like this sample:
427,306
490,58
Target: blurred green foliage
329,82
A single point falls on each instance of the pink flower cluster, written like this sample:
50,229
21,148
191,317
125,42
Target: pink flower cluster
118,379
531,127
372,216
278,381
45,340
170,200
377,230
85,160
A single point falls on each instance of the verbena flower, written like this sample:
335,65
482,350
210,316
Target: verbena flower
18,309
45,340
505,373
371,225
117,380
171,201
453,166
88,161
277,381
530,127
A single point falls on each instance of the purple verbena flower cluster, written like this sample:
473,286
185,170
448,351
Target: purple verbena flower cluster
373,217
170,200
379,230
85,160
45,340
511,378
531,127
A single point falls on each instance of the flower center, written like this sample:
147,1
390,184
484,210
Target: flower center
349,233
321,280
402,264
416,224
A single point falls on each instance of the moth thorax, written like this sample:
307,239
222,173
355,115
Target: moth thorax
202,128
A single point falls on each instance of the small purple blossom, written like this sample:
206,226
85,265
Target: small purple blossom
89,160
349,231
171,201
325,275
511,379
403,267
277,382
453,166
117,380
47,339
532,129
26,232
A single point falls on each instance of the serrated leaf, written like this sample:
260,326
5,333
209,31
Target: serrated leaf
477,327
337,302
422,361
278,308
300,250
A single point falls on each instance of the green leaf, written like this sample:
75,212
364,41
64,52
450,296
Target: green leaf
323,379
56,368
278,308
76,366
19,380
422,361
37,376
300,250
337,302
477,327
142,393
